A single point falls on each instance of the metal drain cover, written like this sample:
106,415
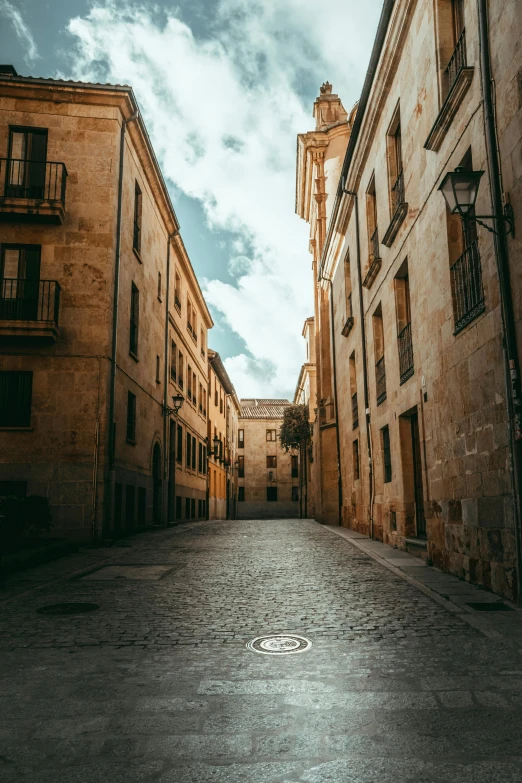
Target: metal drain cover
67,608
279,644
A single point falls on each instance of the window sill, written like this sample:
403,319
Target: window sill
16,429
134,356
160,299
449,109
396,222
137,254
372,272
130,442
347,328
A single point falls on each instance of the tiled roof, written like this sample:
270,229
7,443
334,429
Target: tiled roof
263,409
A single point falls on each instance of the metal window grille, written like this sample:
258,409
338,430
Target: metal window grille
355,412
386,455
29,300
380,380
374,244
404,340
467,288
397,192
356,473
33,179
457,61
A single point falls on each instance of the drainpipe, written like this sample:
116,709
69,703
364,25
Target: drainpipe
166,419
337,438
112,433
364,361
509,342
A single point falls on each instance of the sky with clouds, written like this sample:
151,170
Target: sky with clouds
224,87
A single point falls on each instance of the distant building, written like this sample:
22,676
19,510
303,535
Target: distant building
102,320
223,414
306,394
268,476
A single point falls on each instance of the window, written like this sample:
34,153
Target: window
177,292
216,398
271,435
374,253
189,381
178,507
189,315
200,508
180,369
134,320
193,508
131,417
27,163
271,493
200,458
159,286
241,467
355,455
204,402
353,392
179,444
188,450
295,466
204,459
15,399
386,453
402,308
202,341
241,439
378,347
398,205
194,453
158,369
295,493
240,493
187,508
136,242
271,462
21,296
194,389
173,361
201,398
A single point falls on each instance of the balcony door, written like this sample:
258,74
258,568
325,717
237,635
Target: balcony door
27,163
19,282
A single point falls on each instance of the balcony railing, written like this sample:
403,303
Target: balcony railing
466,284
177,303
380,380
405,354
458,60
355,412
29,300
397,193
374,245
136,237
32,179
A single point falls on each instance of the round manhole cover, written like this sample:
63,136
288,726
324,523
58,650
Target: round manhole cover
67,608
279,644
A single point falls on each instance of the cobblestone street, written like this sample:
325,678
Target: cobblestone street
401,684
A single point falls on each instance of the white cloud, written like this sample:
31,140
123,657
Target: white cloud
21,29
223,113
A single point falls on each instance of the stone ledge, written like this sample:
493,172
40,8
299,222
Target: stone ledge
372,272
449,109
396,222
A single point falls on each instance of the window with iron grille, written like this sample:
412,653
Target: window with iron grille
15,399
189,382
134,320
295,466
131,417
180,369
271,493
188,451
173,361
386,451
179,444
240,493
355,447
194,456
271,462
241,467
200,458
136,242
194,389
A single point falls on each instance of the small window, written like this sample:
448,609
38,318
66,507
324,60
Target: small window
158,370
386,454
159,286
194,453
136,243
16,390
134,320
271,493
241,467
241,439
201,398
177,293
131,417
179,445
173,361
295,466
240,493
356,474
188,450
271,435
194,389
295,493
189,381
180,369
271,462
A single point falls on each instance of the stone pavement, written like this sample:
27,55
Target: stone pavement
157,685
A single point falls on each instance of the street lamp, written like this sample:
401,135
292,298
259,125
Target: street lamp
460,189
215,441
177,402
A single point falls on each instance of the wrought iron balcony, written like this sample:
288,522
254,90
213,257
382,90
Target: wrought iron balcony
29,308
355,412
32,190
399,208
467,288
380,380
457,61
406,367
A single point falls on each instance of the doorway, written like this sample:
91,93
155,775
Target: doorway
156,478
413,489
418,489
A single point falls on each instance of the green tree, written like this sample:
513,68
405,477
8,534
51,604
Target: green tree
295,429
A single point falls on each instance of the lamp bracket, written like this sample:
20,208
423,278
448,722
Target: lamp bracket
507,217
168,411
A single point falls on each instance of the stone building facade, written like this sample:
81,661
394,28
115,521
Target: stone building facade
417,361
268,475
306,394
223,414
102,320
